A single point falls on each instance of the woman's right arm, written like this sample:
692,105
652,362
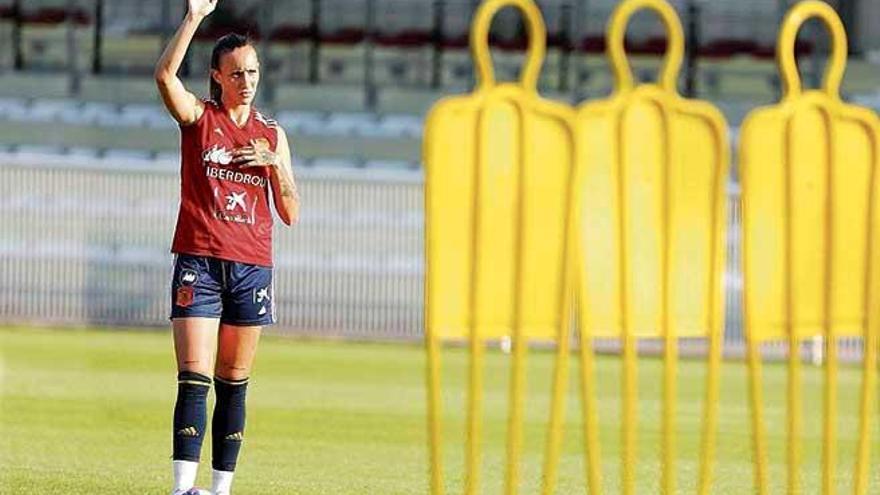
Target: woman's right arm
184,106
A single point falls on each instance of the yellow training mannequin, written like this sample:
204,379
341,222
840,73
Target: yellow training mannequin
809,223
499,192
652,236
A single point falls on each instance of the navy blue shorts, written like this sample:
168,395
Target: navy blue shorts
237,293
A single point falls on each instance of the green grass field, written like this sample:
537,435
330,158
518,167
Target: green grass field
84,412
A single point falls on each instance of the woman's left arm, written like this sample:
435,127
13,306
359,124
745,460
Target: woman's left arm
284,191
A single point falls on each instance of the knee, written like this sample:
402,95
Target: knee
200,366
231,371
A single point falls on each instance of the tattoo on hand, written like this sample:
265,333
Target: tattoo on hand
256,154
265,157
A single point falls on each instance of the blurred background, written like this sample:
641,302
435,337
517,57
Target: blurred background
89,161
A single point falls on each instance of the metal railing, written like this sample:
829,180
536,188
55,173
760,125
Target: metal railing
87,243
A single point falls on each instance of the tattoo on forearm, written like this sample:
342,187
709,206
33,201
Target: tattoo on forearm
288,189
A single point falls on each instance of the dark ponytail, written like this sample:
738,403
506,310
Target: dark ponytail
223,46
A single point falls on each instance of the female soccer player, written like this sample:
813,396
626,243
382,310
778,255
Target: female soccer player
222,291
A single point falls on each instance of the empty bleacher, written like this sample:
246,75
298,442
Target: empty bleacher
351,80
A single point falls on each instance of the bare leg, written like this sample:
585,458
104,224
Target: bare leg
236,347
194,344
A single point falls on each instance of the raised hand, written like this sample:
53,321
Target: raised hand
201,8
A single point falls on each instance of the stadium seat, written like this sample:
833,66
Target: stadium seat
509,44
222,22
111,119
341,53
168,156
136,115
728,47
126,156
230,22
457,41
453,50
307,123
7,13
401,126
559,41
344,36
49,110
348,124
591,44
89,113
82,152
407,39
41,24
139,115
407,50
391,165
655,45
765,51
291,33
330,163
40,153
284,50
160,120
13,108
56,15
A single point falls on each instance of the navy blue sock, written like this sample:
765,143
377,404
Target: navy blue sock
227,425
190,415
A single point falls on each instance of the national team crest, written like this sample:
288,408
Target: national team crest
185,296
262,143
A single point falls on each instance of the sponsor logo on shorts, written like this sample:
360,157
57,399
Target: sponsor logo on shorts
188,277
262,297
185,296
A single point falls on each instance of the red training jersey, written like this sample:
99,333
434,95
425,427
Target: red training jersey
224,209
